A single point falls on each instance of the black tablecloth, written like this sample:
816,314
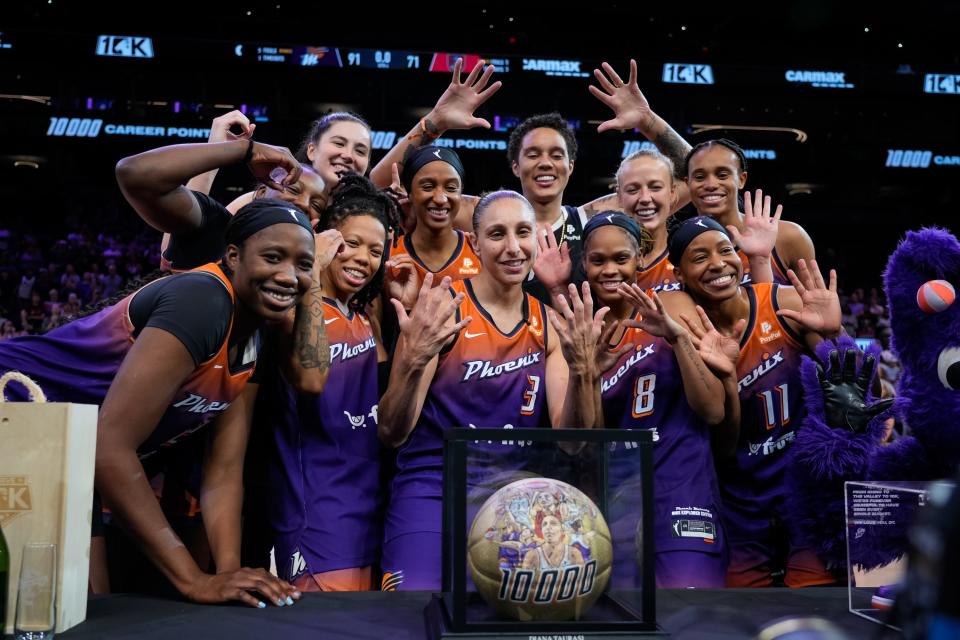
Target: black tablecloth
686,614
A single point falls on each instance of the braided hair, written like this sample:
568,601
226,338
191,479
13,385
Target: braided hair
355,195
722,142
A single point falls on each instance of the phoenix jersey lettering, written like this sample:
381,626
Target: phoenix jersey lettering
463,262
326,467
658,275
487,378
644,390
771,406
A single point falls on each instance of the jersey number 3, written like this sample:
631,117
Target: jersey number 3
530,396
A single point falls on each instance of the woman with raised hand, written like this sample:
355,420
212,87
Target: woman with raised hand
454,110
714,172
658,375
477,353
782,323
335,144
433,179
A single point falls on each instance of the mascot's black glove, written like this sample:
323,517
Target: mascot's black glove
845,392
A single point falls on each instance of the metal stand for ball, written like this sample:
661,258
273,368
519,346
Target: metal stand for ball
460,614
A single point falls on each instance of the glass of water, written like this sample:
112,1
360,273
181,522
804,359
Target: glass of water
37,593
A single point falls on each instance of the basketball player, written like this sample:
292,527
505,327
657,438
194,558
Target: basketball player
327,505
553,552
433,178
542,151
337,143
497,365
782,323
655,378
169,359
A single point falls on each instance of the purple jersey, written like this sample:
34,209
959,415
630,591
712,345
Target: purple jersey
78,361
644,390
326,469
771,407
486,379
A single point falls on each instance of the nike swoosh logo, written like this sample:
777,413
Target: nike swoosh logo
474,335
330,320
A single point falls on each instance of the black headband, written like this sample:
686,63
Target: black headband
261,214
424,156
689,230
615,218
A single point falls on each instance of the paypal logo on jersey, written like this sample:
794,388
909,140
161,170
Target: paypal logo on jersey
767,363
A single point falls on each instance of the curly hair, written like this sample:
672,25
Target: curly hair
355,195
544,120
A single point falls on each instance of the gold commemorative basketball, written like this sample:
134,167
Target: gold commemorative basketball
539,549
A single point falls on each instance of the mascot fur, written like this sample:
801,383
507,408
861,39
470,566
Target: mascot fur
841,437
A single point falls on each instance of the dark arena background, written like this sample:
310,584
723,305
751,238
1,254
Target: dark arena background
848,111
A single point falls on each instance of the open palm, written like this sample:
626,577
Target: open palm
820,305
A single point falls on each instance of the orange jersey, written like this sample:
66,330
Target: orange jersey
779,269
771,404
487,378
658,275
463,262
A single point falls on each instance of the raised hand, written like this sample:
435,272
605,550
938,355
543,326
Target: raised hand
630,108
401,281
606,357
759,235
326,246
239,584
552,266
820,306
401,197
845,392
454,109
719,352
221,125
653,317
265,158
578,328
427,328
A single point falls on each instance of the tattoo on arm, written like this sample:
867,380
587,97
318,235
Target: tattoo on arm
313,348
697,362
674,147
428,134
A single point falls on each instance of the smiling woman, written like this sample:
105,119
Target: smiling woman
166,361
774,325
507,369
433,176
